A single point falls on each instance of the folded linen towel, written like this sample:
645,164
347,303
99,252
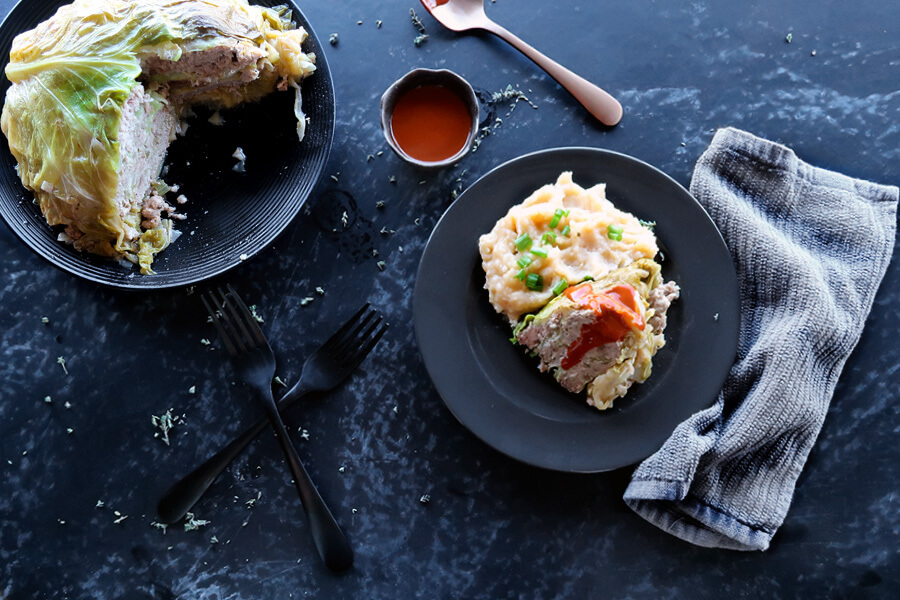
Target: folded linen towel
811,248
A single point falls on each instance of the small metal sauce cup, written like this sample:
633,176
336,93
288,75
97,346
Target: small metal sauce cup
417,78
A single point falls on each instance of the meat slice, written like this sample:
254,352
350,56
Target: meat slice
593,336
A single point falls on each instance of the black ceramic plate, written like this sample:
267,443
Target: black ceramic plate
229,214
496,391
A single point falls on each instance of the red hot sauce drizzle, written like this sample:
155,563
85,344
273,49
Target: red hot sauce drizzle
431,123
618,312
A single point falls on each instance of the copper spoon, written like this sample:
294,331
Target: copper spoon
463,15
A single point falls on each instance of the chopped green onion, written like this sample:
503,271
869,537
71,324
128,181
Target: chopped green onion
524,261
521,275
587,278
534,282
548,238
615,232
615,236
566,213
566,231
557,215
539,252
523,242
560,287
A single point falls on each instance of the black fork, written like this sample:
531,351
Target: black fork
330,364
254,363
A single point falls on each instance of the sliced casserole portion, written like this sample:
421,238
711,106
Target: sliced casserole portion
602,334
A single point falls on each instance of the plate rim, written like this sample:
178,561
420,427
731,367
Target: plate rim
550,463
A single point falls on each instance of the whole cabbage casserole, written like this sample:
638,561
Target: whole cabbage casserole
101,88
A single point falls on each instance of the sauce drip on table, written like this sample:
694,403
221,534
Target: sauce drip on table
430,123
618,311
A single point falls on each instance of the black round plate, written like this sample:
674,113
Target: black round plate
230,214
496,391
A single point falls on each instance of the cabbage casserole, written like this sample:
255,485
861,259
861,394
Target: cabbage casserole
100,90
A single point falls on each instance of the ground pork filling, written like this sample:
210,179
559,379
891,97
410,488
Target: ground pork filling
146,128
150,122
607,370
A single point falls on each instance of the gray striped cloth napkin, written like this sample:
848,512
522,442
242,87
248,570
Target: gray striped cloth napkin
811,247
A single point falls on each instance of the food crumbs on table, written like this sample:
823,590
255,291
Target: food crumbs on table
425,499
378,24
417,23
159,525
205,341
716,317
69,430
120,516
100,504
344,219
243,257
320,291
379,204
379,153
381,265
165,422
354,511
280,381
45,320
306,300
67,405
333,39
48,399
192,523
370,157
392,179
61,521
789,37
341,469
192,389
813,53
213,540
252,501
359,22
62,363
374,252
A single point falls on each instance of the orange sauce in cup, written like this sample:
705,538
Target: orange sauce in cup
430,123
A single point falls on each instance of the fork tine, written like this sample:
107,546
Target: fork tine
215,316
231,321
353,337
340,333
249,325
352,361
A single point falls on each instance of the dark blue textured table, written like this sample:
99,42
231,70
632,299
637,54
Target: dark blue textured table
431,511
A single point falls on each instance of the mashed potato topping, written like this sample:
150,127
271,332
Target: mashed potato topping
578,245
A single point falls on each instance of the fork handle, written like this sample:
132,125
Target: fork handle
184,493
327,535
